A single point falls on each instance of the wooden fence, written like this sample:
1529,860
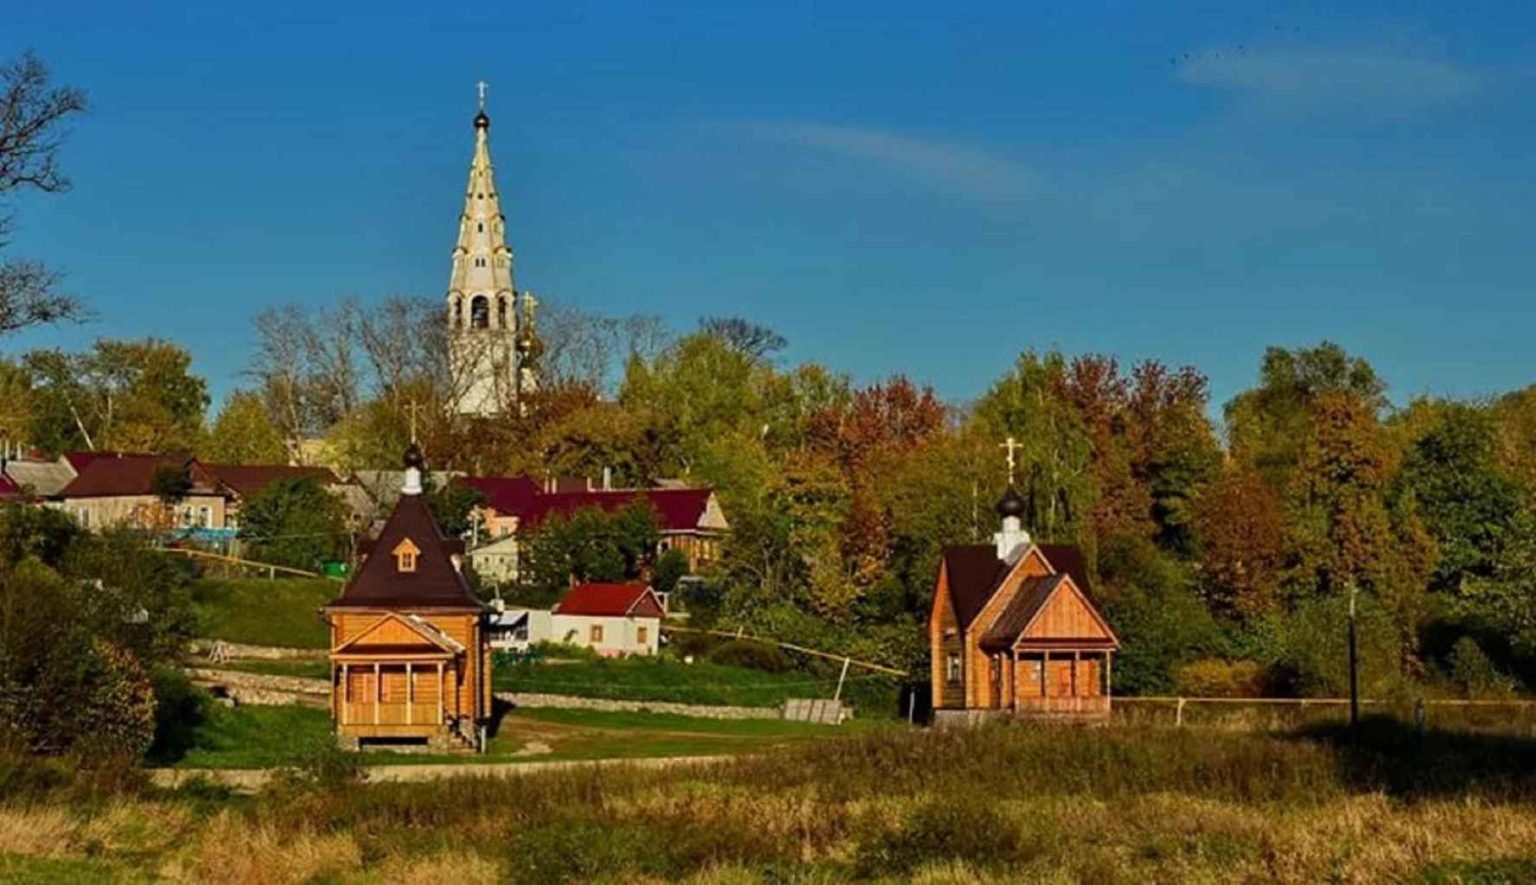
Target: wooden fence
1303,705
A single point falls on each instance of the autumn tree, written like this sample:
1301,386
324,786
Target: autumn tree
1268,425
1241,526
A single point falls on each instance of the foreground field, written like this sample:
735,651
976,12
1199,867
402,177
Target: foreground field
1111,804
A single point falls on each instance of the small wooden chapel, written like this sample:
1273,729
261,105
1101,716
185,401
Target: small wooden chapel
410,655
1013,630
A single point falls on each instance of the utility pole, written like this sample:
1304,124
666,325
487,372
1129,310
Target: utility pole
1354,672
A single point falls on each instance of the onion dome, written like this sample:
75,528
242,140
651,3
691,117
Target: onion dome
482,120
1011,504
413,457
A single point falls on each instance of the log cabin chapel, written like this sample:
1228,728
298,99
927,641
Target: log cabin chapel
410,655
1013,630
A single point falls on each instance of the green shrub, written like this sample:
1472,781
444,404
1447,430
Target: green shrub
751,654
1474,673
966,828
180,707
1216,678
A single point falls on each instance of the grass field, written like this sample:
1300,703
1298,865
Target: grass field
1112,804
664,678
264,737
281,611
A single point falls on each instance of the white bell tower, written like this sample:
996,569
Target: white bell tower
482,297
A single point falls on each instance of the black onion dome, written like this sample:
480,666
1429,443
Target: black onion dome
482,120
1011,504
413,457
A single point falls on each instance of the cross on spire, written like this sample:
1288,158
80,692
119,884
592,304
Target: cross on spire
1012,445
412,407
481,87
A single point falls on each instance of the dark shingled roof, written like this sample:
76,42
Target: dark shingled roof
1025,605
975,571
246,480
434,584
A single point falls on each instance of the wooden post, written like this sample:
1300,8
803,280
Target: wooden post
346,693
1045,665
1109,683
1013,681
410,693
1077,656
378,691
1178,714
838,695
439,692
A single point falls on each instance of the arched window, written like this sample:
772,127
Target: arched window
480,312
458,312
501,311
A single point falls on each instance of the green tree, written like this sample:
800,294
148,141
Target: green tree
1268,425
295,522
243,433
589,545
1466,500
138,396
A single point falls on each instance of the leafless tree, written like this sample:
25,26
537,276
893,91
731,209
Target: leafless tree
31,133
744,336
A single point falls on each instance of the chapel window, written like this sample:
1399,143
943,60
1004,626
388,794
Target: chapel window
480,312
596,633
953,668
405,554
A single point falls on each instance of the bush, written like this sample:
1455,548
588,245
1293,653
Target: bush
750,654
1474,672
1216,678
180,707
963,828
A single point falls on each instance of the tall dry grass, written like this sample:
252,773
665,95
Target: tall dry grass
1110,805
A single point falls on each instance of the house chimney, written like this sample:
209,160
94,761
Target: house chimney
607,479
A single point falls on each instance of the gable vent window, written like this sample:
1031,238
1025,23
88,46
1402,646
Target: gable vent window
405,554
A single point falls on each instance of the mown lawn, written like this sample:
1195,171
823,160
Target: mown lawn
664,678
266,737
303,669
280,611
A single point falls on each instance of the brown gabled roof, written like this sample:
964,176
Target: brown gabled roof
1032,596
434,584
107,475
975,572
246,480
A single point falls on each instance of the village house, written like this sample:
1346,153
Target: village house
1012,629
168,492
410,655
690,520
614,620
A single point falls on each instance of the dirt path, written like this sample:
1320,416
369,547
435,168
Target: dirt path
253,779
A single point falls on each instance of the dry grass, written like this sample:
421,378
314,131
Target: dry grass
1053,806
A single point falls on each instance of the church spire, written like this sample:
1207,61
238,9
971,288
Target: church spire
482,298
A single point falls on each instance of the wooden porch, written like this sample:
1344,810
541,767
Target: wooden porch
1045,682
392,698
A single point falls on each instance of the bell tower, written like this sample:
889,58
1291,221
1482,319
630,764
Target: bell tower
482,297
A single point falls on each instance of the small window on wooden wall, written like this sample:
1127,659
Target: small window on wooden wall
953,669
405,554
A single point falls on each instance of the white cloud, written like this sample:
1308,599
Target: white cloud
949,167
1300,81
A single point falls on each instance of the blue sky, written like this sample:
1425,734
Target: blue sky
917,188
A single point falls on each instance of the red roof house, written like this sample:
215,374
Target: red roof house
611,619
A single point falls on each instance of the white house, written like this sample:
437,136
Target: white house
611,619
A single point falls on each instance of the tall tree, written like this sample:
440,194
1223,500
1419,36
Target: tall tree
32,115
124,395
243,433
